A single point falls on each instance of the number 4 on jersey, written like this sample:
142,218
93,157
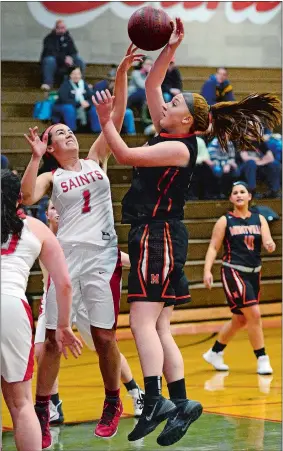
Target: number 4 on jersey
86,207
249,242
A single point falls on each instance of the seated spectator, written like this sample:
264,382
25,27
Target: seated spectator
274,143
225,168
218,88
4,162
74,103
172,83
136,90
203,184
129,121
260,164
59,53
149,128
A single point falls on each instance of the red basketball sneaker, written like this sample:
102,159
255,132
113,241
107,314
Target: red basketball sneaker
43,418
107,426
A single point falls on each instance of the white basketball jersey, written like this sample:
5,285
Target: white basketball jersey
83,202
17,257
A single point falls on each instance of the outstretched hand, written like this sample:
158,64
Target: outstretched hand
66,338
130,58
38,147
103,105
177,33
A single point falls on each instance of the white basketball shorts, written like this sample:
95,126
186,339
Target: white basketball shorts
17,348
96,274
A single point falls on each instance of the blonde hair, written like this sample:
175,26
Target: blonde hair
240,121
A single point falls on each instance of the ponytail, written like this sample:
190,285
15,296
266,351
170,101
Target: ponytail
245,120
11,224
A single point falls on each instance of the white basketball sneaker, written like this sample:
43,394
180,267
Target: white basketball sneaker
263,365
216,359
137,395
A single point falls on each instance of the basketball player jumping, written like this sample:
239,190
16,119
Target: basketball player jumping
158,240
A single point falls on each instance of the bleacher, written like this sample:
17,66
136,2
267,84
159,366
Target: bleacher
20,90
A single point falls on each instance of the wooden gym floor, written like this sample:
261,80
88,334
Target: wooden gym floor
242,410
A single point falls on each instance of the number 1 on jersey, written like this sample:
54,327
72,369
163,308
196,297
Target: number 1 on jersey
86,195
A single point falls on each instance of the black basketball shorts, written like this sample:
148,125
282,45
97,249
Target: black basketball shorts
158,252
242,289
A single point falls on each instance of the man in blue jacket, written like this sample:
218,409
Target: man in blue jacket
218,88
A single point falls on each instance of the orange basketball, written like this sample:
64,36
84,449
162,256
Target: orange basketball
150,28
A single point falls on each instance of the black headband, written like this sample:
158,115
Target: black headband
189,99
239,182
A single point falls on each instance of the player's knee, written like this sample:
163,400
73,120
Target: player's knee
239,321
254,318
50,344
103,339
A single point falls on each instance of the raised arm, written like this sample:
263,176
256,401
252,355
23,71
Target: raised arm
216,241
267,240
100,151
32,186
157,74
174,153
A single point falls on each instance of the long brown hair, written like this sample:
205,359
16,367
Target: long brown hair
240,121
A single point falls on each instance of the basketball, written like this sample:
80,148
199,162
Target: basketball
149,28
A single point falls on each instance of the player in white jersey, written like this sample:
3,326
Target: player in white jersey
55,404
22,241
81,195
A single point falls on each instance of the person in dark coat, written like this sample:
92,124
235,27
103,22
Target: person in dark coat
58,54
218,88
74,103
172,84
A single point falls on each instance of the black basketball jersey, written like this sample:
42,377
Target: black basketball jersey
158,193
242,242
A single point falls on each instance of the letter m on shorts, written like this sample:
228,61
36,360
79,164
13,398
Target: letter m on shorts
154,279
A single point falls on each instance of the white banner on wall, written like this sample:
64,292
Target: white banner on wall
77,14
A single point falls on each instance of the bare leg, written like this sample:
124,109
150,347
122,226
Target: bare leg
48,365
126,373
173,367
109,356
38,349
254,326
18,397
143,319
231,328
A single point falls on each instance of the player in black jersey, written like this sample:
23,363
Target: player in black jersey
158,239
242,233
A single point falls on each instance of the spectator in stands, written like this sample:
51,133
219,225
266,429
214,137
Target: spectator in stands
4,162
172,84
203,184
260,163
225,168
149,128
218,88
274,143
59,53
136,90
74,103
129,121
